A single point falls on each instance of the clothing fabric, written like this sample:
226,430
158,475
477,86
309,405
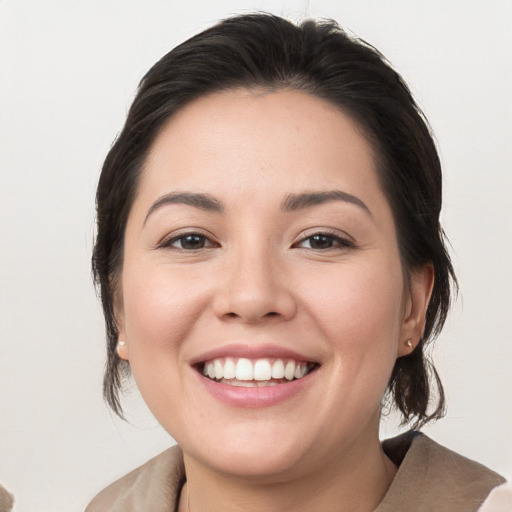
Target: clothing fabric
6,500
430,478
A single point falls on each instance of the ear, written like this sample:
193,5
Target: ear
122,342
421,283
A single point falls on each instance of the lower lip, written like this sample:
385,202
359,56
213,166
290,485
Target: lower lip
254,397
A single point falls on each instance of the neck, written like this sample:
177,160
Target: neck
356,482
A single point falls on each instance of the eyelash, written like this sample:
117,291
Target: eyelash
337,242
182,236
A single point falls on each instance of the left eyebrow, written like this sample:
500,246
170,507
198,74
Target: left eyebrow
294,202
201,201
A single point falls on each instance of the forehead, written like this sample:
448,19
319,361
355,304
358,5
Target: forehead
237,141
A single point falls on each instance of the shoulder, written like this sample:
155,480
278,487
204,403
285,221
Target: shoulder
432,477
156,483
6,500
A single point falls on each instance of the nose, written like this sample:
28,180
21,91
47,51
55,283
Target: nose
254,289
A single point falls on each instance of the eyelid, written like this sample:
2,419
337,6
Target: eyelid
337,233
344,238
168,239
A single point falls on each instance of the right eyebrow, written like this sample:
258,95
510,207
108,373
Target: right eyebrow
198,200
295,202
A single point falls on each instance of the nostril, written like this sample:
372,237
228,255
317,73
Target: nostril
270,314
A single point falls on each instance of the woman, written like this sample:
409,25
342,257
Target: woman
271,264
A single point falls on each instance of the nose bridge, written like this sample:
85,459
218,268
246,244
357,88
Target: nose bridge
255,287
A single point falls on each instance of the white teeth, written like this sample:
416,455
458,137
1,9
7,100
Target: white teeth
244,370
289,370
229,368
219,370
278,369
262,370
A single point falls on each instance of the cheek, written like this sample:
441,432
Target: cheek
160,307
358,310
160,311
360,313
362,297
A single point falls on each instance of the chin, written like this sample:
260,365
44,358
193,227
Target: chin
259,456
256,465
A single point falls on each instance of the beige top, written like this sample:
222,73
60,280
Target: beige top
6,500
430,478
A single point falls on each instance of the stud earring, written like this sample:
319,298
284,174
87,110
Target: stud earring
409,343
120,344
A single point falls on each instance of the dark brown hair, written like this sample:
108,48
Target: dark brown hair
317,57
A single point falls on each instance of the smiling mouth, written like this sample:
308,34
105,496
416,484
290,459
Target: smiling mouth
243,372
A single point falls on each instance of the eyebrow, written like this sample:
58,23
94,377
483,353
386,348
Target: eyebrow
291,203
198,200
295,202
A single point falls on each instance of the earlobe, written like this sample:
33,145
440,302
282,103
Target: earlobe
121,347
122,350
421,283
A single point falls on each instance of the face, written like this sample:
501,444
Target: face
262,298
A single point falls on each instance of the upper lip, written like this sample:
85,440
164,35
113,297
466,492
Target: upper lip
252,352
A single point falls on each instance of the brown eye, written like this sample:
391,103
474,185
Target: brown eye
323,241
189,242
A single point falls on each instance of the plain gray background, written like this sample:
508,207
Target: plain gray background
68,70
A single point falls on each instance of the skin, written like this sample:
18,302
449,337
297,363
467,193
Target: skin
258,281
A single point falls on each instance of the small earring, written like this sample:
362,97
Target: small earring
409,343
120,344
